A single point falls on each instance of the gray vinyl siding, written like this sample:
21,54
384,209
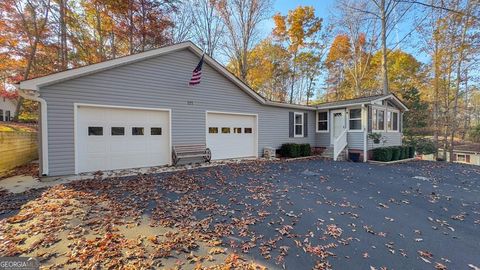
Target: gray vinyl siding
160,82
323,139
355,140
391,139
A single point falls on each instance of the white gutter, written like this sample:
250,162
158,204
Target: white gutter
35,96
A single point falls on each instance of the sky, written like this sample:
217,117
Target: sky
325,8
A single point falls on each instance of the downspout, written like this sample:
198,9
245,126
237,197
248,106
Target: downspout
365,131
35,96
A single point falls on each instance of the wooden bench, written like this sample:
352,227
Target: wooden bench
190,151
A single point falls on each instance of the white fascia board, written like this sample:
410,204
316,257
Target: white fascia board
35,84
391,96
291,106
320,107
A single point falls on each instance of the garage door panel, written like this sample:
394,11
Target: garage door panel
231,145
109,151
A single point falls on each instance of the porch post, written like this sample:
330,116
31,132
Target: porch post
365,129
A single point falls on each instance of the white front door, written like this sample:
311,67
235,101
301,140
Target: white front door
120,138
338,125
231,135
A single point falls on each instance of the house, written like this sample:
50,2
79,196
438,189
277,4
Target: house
129,112
467,153
8,107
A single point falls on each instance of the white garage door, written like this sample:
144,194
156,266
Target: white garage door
117,138
231,135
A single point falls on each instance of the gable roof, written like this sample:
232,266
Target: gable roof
362,101
36,83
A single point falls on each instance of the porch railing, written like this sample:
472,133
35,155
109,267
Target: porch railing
339,144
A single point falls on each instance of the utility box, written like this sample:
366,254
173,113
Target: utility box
269,152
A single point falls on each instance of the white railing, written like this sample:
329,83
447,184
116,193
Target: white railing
339,144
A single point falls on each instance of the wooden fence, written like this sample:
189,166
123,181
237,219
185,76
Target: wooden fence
17,148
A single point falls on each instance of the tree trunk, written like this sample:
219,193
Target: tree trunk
436,71
384,48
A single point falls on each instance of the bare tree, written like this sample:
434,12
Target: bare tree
183,22
208,28
242,19
362,33
384,11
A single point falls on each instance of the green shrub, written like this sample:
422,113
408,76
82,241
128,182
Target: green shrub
289,150
382,154
395,152
406,151
293,150
423,146
411,151
305,150
403,152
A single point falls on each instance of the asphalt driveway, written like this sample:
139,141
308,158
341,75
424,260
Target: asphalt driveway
296,215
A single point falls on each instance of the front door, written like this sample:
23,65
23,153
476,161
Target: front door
338,117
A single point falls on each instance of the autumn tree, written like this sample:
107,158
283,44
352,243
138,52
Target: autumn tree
299,32
242,19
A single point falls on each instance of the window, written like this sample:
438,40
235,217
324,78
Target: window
1,115
355,121
247,130
378,119
298,124
395,121
7,116
118,131
213,130
322,121
137,131
156,131
237,130
463,158
392,120
381,120
95,131
225,130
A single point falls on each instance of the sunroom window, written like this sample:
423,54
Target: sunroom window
378,119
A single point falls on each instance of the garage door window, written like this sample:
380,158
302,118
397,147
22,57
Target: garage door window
137,131
118,131
212,130
156,131
237,130
225,130
95,131
247,130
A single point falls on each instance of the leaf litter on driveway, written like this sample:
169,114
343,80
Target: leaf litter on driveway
305,214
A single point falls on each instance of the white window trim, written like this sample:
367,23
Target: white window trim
295,125
384,119
464,156
328,122
361,120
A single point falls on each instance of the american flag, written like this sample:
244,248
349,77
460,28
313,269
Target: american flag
197,73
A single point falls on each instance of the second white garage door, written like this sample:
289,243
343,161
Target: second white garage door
231,135
118,138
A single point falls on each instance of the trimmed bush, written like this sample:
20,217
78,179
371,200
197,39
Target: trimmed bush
305,150
403,152
293,150
382,154
395,152
411,151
